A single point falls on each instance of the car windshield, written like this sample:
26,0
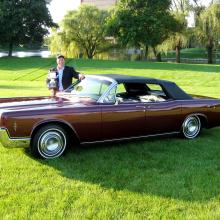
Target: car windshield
89,87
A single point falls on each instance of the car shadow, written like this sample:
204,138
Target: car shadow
166,167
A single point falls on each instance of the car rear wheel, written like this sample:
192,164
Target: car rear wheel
191,127
49,142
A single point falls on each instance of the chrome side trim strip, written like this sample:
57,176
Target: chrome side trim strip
9,142
129,138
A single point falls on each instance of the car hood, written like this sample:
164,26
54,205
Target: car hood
30,103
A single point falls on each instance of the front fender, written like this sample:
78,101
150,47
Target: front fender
54,121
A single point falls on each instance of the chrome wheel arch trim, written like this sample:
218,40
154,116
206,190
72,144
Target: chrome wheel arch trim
53,121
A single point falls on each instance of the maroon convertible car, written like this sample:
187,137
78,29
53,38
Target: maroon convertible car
104,108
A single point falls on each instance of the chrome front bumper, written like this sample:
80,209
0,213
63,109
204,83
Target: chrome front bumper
9,142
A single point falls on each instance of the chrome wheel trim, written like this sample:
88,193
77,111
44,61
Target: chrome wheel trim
51,143
191,126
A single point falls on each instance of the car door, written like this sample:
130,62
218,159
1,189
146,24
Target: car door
86,121
163,117
122,120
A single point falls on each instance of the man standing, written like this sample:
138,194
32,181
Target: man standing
64,75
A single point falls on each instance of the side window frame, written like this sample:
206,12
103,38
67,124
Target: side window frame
105,96
111,96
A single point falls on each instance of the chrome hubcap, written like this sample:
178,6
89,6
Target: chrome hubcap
191,127
52,143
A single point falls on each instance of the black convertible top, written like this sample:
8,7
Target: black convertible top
170,88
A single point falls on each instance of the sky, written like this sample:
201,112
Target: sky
58,8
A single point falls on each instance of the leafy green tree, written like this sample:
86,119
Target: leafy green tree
208,28
59,44
23,21
85,29
177,40
170,28
181,6
141,23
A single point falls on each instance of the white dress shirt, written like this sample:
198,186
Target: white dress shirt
60,76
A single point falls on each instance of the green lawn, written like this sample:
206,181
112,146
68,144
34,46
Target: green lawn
160,178
192,53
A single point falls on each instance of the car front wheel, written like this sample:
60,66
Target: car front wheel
191,127
49,142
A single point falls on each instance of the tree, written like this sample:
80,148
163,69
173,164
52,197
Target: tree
208,29
23,21
141,23
58,43
86,29
161,33
178,39
181,6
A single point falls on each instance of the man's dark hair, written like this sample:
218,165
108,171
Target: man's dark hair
60,56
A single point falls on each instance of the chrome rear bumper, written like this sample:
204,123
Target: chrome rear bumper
9,142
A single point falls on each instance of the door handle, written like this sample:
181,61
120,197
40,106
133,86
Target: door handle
212,106
141,106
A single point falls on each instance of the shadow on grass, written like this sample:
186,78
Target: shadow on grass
167,167
11,87
18,64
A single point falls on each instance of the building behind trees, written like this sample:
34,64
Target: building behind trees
101,4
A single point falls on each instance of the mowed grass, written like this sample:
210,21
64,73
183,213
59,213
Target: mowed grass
192,53
159,178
